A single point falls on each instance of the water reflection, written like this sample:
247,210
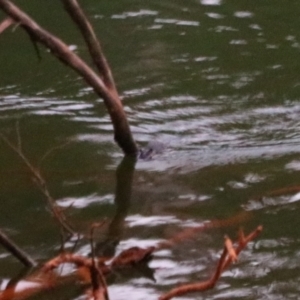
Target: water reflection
124,178
218,83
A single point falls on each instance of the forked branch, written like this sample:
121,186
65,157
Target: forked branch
229,255
92,270
104,87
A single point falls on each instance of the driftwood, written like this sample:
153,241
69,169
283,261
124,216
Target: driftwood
102,84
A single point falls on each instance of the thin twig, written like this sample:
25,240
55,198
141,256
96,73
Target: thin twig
87,31
98,280
19,141
231,251
41,184
244,243
50,151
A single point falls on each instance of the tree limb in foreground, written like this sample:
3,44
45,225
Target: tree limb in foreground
229,255
16,251
87,269
104,87
92,42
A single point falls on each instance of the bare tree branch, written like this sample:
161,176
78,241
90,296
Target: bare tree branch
92,42
59,49
14,249
5,24
229,255
41,184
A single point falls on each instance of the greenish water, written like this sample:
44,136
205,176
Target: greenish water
218,83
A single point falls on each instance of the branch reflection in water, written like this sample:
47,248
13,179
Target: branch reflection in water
124,178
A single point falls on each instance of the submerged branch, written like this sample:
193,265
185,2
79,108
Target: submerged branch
190,232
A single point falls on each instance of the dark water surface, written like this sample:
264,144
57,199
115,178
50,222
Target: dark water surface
218,82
